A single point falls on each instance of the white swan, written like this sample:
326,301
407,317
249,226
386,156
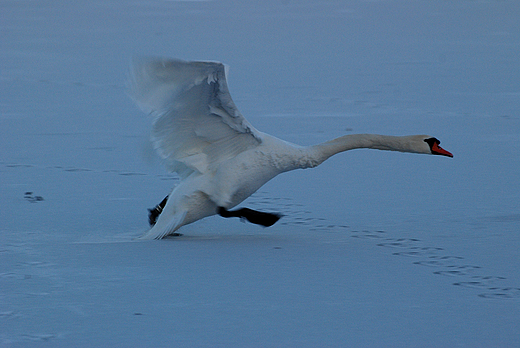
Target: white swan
220,157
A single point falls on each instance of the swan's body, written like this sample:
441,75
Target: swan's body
220,157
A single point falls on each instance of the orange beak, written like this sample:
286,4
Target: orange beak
437,150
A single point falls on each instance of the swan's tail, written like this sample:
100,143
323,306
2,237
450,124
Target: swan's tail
165,227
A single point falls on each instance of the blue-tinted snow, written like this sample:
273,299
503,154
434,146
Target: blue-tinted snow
376,248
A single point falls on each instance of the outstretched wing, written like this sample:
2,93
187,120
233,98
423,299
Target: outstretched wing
196,124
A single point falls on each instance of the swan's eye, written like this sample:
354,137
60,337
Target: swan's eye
432,141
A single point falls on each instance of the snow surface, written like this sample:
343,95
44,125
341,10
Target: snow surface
376,249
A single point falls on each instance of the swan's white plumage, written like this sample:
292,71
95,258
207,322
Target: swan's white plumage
196,123
221,158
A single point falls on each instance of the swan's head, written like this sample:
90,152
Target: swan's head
434,148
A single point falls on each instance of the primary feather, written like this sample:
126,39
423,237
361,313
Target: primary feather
196,123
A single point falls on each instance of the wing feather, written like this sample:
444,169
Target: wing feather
196,124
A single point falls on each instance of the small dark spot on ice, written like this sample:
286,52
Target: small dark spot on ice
33,199
137,313
77,170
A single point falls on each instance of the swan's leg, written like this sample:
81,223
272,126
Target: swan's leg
154,213
253,216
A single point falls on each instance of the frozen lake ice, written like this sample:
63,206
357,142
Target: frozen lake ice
375,248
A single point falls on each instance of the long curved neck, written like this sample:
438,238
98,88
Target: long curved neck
323,151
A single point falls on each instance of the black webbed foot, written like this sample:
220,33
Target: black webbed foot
253,216
154,213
